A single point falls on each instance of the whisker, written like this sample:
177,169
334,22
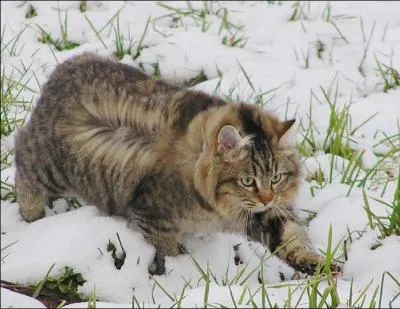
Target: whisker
250,222
234,221
279,214
225,211
240,221
246,221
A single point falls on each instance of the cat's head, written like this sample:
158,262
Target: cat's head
249,162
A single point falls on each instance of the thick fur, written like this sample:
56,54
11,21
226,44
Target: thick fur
157,155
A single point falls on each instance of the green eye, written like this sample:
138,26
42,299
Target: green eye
247,181
276,178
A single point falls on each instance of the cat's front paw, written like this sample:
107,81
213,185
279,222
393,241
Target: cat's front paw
308,262
306,269
311,269
157,267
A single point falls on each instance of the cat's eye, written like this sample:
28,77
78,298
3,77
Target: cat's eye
276,178
247,181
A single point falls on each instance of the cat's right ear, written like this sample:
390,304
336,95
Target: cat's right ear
230,144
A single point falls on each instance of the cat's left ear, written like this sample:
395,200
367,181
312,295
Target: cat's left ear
230,144
286,133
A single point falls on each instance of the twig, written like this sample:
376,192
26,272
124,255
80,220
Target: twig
50,298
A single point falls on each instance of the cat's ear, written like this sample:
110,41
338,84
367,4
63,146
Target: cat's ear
228,139
286,135
285,130
230,144
284,127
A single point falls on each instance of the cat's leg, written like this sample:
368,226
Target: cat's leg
295,248
31,200
287,238
166,244
162,234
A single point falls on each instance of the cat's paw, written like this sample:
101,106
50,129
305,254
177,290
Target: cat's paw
306,269
157,267
309,262
311,269
304,261
31,215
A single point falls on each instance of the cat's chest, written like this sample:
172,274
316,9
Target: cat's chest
165,196
200,220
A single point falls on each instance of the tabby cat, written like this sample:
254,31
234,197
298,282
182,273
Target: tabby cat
168,159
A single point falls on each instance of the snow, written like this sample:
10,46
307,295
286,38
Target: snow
10,299
274,59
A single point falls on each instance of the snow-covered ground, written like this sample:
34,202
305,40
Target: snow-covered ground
287,56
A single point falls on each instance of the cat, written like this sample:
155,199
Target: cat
168,159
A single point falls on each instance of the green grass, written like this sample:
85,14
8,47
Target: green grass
98,32
92,299
16,99
12,47
41,284
83,6
133,48
140,46
304,59
319,48
59,44
339,133
234,40
14,108
66,283
360,67
336,142
119,259
298,12
63,43
120,48
389,75
31,12
232,35
340,33
13,102
388,224
257,96
199,78
177,15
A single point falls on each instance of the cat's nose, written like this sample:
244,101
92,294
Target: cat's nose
266,197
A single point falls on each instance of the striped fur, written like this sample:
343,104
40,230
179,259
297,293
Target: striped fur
150,151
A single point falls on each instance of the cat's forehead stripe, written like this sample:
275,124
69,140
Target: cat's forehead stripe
248,118
262,156
253,162
257,166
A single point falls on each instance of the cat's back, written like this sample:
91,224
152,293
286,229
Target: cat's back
87,73
94,118
88,95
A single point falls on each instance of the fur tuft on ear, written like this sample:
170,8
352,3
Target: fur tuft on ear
284,127
231,144
287,136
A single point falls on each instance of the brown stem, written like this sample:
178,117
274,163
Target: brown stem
49,298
